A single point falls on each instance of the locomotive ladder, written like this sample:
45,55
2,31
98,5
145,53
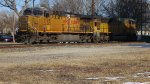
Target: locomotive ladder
35,35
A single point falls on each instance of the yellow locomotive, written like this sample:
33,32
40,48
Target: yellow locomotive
122,29
38,25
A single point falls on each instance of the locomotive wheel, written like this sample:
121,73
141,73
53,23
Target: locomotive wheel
30,40
27,41
88,40
95,40
20,39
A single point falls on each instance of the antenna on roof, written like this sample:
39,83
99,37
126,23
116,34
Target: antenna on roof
93,7
33,3
33,6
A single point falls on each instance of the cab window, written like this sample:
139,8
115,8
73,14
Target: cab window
35,11
27,12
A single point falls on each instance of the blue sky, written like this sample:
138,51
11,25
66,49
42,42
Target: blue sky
20,3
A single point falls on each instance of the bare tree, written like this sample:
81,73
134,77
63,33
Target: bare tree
74,6
45,4
109,8
134,9
12,4
78,6
126,8
6,19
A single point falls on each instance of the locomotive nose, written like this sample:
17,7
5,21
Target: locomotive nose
23,23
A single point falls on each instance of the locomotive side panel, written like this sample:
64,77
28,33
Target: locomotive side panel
55,24
104,28
64,24
71,24
86,26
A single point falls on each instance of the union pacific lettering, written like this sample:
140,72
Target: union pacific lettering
65,21
71,22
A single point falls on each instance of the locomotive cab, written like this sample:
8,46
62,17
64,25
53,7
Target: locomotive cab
33,19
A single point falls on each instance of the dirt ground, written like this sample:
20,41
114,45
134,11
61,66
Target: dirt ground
76,64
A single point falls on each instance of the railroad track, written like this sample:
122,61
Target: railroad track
18,45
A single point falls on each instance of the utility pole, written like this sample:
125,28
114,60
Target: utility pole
14,22
33,3
141,4
33,6
24,7
26,3
93,7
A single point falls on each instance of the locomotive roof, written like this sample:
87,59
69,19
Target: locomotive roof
78,15
37,8
89,17
62,13
120,19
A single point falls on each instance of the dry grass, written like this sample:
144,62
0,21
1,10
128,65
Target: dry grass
66,72
76,71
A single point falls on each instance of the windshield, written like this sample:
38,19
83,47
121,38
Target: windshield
36,11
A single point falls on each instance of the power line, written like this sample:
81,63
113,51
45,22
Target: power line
93,7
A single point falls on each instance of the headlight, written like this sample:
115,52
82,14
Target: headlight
6,40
